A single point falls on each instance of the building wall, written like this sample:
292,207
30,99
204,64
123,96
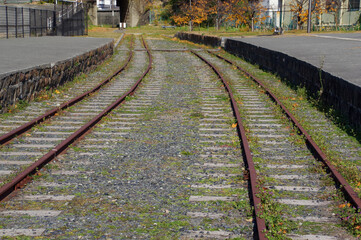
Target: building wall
108,17
134,17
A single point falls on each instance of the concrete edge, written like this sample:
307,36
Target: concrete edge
119,40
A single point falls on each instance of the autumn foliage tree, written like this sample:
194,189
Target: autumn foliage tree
334,7
255,13
236,11
217,10
300,10
195,11
241,12
244,12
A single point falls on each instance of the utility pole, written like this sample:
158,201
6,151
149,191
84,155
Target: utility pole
54,17
190,22
217,20
111,8
280,2
309,16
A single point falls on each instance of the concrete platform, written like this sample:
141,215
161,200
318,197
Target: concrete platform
21,54
327,65
30,65
340,54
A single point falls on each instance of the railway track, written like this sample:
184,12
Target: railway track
59,106
56,136
169,163
289,169
47,106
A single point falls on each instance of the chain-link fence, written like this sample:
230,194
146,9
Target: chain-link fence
267,19
342,19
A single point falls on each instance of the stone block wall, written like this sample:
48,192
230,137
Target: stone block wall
200,39
27,84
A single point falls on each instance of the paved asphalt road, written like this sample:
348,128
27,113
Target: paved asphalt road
340,54
18,54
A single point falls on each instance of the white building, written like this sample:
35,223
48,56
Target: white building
106,4
273,9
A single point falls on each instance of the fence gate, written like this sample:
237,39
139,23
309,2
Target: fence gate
72,19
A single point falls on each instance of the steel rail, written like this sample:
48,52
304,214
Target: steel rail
179,50
27,126
25,176
260,223
316,150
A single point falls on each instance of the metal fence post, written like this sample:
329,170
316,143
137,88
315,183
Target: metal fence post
309,20
62,19
22,20
82,23
46,26
29,22
69,19
16,22
36,29
86,19
7,22
54,22
41,22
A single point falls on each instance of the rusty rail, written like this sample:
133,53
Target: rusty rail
27,126
25,176
260,223
346,188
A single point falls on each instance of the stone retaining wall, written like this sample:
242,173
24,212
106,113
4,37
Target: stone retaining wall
341,95
27,84
200,39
